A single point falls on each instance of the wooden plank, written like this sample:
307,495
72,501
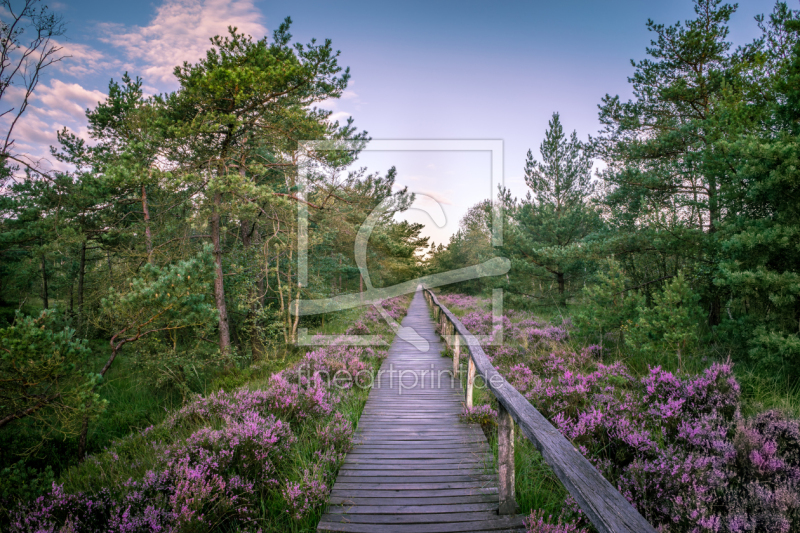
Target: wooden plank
430,500
420,493
414,509
423,518
499,524
416,466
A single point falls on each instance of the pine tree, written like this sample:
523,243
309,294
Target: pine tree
547,226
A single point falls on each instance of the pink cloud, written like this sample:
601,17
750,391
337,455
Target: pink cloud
180,31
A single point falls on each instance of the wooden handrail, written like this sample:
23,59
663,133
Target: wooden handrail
605,507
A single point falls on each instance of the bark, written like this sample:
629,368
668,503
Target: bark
561,286
148,237
715,314
219,286
82,439
81,277
247,227
45,295
27,412
296,314
256,239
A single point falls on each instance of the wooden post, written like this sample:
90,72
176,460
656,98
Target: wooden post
505,460
470,380
456,354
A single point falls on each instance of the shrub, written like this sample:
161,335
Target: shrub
675,445
241,446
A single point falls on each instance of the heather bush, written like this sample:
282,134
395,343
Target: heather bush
676,445
536,523
480,414
223,457
307,494
462,301
358,328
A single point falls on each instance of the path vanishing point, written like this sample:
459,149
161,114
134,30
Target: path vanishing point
415,467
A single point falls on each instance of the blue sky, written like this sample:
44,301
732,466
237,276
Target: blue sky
436,69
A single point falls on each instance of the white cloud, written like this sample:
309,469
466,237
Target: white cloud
83,59
52,107
349,96
439,197
180,31
67,99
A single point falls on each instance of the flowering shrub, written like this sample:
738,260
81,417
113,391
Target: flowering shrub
171,500
358,328
394,307
537,524
676,446
481,414
237,451
336,434
303,497
462,301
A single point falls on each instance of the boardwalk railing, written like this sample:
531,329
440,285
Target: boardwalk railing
604,506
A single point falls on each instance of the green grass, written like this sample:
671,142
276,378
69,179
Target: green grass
536,485
762,392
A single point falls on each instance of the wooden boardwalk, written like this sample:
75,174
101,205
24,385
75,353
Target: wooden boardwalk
416,468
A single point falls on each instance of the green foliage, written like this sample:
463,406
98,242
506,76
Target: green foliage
774,351
609,304
21,483
44,374
163,299
545,230
670,325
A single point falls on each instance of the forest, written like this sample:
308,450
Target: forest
149,353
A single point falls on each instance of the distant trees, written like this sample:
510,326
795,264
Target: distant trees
690,160
696,216
546,227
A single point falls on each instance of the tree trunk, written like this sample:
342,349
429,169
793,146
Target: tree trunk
561,286
82,439
260,281
219,286
715,314
45,295
81,276
148,237
254,295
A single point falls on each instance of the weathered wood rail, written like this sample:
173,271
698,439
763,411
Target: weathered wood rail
604,506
